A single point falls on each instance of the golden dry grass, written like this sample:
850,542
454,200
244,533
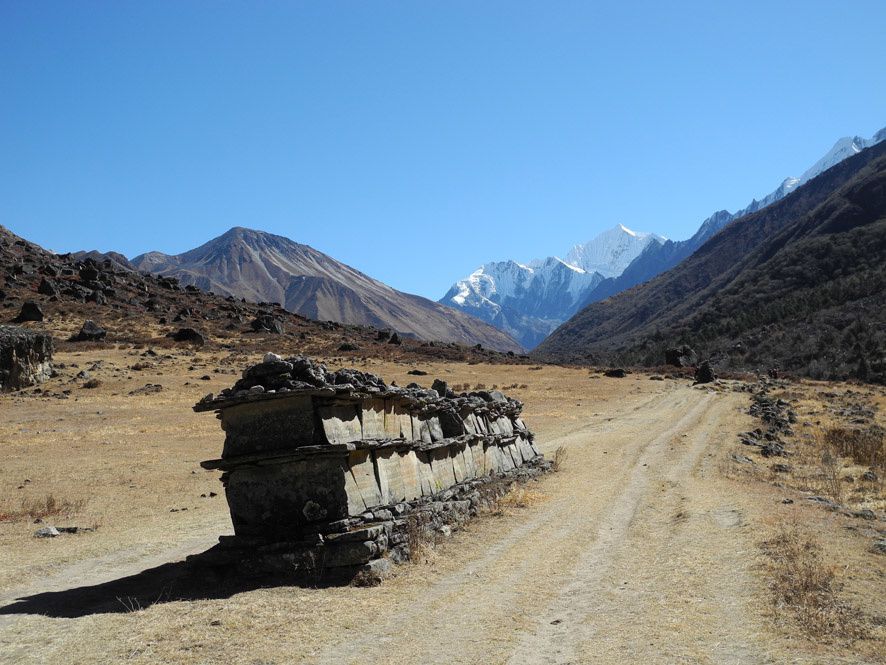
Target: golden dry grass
805,589
40,508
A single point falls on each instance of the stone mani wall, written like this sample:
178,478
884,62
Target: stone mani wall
25,358
337,470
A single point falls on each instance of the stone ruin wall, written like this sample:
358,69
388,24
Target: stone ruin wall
332,473
25,358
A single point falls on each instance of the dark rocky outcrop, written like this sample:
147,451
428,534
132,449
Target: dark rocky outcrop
25,357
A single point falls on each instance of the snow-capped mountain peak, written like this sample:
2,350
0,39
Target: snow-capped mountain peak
611,251
843,148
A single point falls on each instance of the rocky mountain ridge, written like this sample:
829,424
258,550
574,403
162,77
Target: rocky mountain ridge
263,267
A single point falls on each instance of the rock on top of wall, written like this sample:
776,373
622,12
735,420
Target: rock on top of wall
276,377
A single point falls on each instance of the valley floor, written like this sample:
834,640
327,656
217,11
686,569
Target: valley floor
640,550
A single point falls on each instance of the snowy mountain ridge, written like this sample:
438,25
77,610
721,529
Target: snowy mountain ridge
509,295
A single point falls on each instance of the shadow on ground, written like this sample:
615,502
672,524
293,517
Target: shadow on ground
171,582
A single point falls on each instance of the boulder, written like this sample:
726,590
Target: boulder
47,287
89,272
267,323
97,297
681,356
90,331
187,335
25,357
705,373
30,311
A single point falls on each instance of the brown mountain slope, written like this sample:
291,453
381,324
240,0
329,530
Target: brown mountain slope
800,284
143,309
263,267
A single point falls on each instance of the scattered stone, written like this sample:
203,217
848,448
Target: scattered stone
147,389
395,339
656,377
773,449
870,476
824,501
46,532
615,373
417,372
347,346
781,468
865,514
89,332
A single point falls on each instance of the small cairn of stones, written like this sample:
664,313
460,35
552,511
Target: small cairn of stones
337,474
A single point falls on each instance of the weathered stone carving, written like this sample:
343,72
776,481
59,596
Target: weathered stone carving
25,357
332,466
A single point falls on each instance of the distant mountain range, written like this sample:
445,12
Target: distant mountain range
262,267
799,284
529,301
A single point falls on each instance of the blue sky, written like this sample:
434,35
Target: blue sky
417,140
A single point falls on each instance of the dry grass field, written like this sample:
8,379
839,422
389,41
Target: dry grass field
650,544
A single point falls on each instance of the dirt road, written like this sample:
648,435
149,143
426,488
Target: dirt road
639,552
617,566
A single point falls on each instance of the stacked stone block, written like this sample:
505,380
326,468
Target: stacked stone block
329,470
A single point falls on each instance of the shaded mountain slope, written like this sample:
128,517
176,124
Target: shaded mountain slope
662,256
800,284
262,267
